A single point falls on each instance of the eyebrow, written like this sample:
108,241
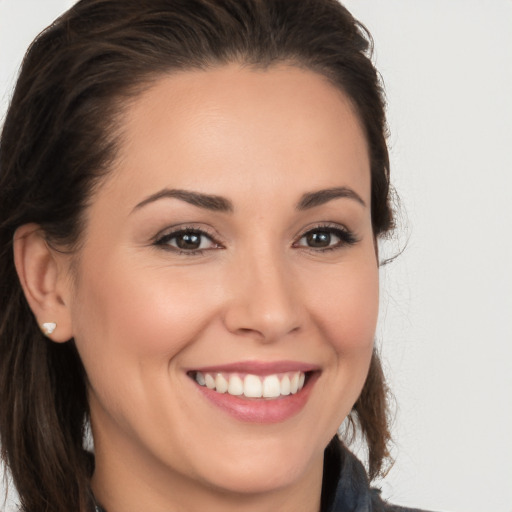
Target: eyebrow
319,197
206,201
221,204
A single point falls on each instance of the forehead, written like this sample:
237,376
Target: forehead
235,125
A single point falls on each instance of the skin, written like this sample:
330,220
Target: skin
143,314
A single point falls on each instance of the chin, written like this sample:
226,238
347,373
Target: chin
263,470
247,479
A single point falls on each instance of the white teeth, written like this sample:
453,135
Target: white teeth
302,378
210,381
221,384
253,386
271,386
236,386
285,385
294,384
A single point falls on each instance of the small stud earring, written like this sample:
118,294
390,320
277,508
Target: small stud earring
48,328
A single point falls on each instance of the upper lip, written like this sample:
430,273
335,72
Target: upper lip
259,367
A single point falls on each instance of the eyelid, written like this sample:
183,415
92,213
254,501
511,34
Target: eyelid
347,237
161,238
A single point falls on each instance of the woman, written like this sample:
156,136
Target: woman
191,198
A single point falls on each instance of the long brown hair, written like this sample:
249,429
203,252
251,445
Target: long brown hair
57,142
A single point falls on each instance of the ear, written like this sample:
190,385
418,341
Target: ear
44,277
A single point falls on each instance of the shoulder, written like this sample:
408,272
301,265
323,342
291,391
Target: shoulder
380,505
353,492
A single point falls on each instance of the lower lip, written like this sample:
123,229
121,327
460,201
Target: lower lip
261,410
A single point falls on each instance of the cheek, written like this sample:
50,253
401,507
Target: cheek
349,308
130,317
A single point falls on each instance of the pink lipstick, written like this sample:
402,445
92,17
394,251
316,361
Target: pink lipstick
257,392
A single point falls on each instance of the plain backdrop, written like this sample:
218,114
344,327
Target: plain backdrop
446,317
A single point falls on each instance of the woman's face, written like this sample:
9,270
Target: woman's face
230,247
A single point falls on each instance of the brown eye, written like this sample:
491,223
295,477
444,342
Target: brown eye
318,239
187,240
326,238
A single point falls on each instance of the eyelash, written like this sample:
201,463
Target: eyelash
346,238
163,241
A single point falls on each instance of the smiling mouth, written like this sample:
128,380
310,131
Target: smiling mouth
248,385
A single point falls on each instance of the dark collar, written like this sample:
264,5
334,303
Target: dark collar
346,487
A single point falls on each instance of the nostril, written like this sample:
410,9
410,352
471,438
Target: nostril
261,326
263,304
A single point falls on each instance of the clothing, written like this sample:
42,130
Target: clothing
351,491
345,485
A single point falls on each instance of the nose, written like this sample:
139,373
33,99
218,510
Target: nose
264,302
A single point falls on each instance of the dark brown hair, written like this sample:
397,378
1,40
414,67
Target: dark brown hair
59,139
